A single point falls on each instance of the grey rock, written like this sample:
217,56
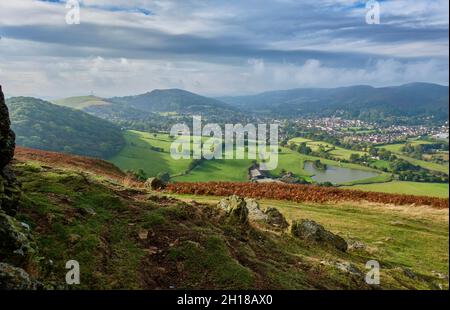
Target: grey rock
309,230
235,208
13,278
254,210
16,243
276,218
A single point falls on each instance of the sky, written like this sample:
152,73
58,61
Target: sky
218,47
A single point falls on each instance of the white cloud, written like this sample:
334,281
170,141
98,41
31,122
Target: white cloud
218,47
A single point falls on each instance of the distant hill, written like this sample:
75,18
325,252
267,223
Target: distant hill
156,110
43,125
414,99
81,102
174,100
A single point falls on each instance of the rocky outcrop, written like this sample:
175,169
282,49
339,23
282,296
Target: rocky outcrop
235,209
311,231
13,278
248,208
9,188
16,246
254,210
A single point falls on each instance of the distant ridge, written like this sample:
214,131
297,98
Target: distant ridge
412,99
173,100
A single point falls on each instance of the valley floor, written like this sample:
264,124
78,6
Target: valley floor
151,153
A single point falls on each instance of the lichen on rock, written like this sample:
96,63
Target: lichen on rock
235,208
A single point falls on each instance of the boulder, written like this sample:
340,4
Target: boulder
235,208
13,278
275,218
311,231
16,244
254,210
155,184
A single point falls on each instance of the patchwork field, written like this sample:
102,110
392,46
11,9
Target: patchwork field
151,153
396,148
333,150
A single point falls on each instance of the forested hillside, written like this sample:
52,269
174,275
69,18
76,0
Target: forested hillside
42,125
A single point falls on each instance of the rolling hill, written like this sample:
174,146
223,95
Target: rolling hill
416,99
174,100
156,110
43,125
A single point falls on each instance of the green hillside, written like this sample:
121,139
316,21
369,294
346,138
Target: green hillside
42,125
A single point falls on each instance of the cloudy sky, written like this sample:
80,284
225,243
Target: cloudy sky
218,47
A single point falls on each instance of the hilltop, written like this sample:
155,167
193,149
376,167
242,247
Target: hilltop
174,100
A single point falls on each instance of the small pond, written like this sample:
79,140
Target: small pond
337,175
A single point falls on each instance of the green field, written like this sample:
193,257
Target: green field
138,154
410,188
215,170
335,151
